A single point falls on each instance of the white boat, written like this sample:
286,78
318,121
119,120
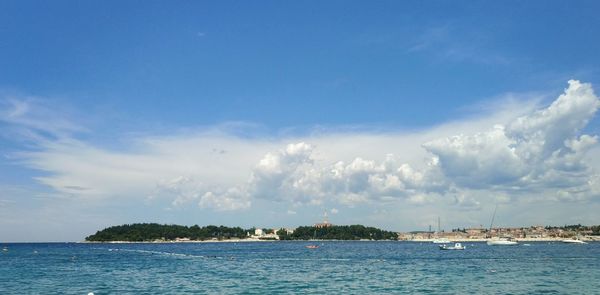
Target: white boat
457,246
441,241
573,241
505,241
502,242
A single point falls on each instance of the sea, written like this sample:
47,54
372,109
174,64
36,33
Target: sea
335,267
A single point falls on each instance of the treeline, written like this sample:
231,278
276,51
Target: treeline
147,232
338,232
141,232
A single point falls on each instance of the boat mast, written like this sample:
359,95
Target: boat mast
493,216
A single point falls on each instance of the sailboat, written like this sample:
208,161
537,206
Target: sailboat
314,246
500,241
439,240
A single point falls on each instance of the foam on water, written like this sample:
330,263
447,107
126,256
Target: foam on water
160,253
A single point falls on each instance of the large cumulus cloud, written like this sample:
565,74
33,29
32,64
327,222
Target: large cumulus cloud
535,152
539,153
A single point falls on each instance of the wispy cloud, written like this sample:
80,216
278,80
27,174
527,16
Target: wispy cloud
450,43
33,119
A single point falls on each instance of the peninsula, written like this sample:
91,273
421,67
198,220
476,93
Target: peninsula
153,232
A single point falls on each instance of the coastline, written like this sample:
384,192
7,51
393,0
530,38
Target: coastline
229,241
178,241
588,239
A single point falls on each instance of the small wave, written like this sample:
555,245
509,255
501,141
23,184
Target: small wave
303,259
162,253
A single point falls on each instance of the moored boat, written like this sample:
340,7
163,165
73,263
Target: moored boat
573,241
502,242
441,241
457,246
437,239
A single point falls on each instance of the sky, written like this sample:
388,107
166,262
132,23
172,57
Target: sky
273,113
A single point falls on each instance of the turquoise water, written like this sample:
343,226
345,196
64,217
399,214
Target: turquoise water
289,267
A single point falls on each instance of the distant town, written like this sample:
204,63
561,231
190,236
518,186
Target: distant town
533,233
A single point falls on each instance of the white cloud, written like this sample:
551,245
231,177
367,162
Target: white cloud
466,203
517,150
534,153
531,154
231,199
284,175
183,189
420,199
35,119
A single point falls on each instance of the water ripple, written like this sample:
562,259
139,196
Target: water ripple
290,268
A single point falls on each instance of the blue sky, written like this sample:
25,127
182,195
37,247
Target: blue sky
237,113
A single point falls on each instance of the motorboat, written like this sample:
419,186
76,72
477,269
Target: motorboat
441,241
573,241
502,242
457,246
